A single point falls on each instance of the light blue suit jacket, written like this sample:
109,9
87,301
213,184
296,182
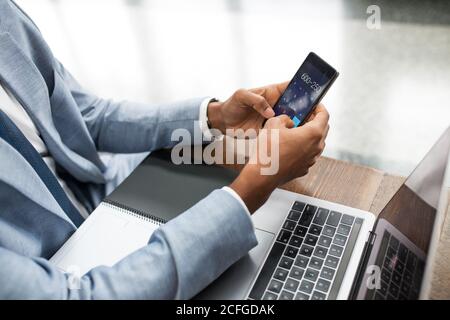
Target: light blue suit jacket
182,257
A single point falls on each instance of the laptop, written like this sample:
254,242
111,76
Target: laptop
311,249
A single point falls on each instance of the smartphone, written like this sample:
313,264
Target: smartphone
306,89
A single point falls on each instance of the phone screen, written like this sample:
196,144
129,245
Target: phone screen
306,89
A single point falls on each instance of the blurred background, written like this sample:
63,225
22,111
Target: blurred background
389,105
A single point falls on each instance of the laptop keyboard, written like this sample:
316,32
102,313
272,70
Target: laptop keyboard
401,272
309,256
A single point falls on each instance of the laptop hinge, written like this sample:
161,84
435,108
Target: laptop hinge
362,265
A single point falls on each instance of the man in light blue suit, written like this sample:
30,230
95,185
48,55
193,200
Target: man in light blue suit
52,175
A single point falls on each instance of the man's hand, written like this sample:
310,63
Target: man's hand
299,149
245,109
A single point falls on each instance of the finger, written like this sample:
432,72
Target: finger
286,121
256,101
318,109
313,113
281,87
279,122
271,92
320,117
322,143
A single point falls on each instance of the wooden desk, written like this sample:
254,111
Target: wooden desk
369,189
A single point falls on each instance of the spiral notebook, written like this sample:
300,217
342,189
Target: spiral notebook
111,232
153,194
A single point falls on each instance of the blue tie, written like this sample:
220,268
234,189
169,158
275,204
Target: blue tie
11,134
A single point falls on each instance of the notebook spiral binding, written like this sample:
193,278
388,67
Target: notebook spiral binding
134,212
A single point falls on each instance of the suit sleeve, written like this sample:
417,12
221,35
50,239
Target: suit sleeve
181,258
130,127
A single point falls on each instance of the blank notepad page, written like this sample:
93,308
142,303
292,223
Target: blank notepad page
108,235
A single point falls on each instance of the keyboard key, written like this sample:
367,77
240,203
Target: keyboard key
315,229
346,219
300,231
311,240
391,253
402,253
325,241
289,225
393,290
399,267
320,252
298,206
285,295
404,288
280,274
306,286
286,262
329,230
385,275
343,229
318,296
323,285
327,273
291,252
275,286
331,262
339,239
394,243
407,277
316,263
270,296
311,274
321,216
383,287
284,236
296,273
291,284
396,278
307,215
301,261
296,241
306,250
294,215
301,296
333,218
336,250
388,264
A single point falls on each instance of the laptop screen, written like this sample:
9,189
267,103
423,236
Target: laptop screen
404,228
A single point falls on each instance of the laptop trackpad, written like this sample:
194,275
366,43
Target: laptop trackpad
236,281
